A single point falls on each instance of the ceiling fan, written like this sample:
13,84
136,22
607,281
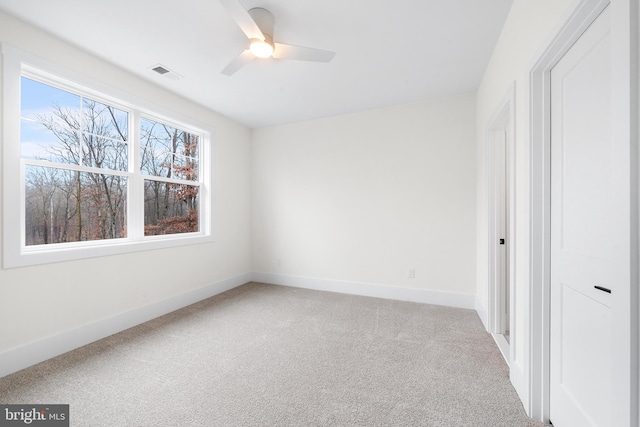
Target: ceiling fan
257,24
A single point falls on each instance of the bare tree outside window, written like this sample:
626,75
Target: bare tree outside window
91,171
170,153
77,172
62,204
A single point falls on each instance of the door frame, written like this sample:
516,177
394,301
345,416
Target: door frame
503,119
625,17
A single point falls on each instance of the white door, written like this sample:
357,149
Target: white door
586,241
502,240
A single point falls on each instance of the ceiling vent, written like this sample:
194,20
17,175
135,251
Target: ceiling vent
166,72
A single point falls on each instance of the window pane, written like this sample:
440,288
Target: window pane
170,208
104,136
38,99
104,120
69,206
50,120
53,120
185,168
46,142
101,152
168,152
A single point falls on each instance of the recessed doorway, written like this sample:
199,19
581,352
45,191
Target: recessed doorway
500,214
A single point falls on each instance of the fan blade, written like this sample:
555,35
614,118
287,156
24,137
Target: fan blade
243,19
288,51
238,62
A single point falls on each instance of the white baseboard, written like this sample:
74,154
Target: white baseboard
18,358
21,357
449,299
503,346
482,314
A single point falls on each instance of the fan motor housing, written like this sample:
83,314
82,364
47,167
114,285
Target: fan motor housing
264,19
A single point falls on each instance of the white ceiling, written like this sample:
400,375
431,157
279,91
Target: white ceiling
388,52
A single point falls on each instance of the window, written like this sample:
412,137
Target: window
75,155
170,158
90,173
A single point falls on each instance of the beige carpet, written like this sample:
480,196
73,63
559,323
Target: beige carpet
262,355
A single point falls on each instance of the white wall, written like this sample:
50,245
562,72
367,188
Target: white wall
39,302
365,197
529,24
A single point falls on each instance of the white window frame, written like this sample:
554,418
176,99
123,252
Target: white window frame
16,64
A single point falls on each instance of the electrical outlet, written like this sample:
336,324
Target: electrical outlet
412,273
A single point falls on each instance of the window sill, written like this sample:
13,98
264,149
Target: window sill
47,254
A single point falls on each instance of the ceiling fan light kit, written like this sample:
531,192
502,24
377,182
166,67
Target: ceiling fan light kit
261,48
257,25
